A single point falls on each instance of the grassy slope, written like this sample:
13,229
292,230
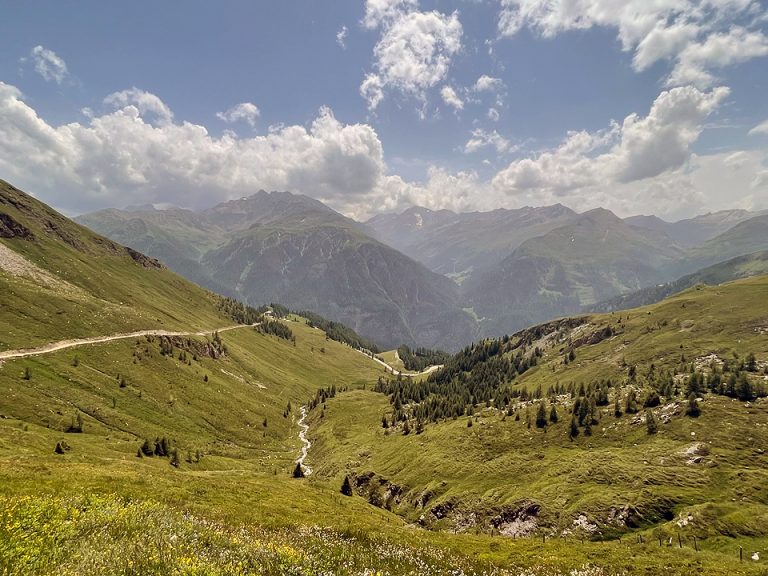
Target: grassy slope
100,509
97,287
499,461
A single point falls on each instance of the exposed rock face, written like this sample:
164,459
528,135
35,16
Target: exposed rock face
9,228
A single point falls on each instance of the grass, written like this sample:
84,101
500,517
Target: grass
457,477
98,508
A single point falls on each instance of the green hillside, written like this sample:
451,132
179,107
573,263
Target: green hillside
175,454
494,470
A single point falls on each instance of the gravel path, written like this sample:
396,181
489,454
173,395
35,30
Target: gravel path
64,344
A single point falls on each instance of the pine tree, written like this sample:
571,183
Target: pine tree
298,472
574,428
175,462
650,422
744,390
146,449
553,414
751,364
541,416
693,409
346,487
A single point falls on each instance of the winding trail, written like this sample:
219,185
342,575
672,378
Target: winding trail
307,444
64,344
396,372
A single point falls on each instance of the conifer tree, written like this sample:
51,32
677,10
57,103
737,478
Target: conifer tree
693,409
298,472
650,422
346,487
553,414
541,416
574,428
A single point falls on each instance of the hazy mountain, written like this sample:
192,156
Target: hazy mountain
694,231
295,250
745,238
733,269
460,245
595,257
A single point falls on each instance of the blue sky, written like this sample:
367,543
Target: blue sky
381,104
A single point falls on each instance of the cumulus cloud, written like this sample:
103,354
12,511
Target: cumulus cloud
48,64
378,12
245,111
493,115
125,156
341,37
144,103
451,98
761,128
639,148
414,52
482,138
119,158
696,37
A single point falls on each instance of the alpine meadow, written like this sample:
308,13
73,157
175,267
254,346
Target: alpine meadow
384,288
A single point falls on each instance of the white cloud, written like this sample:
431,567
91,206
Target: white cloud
482,138
144,103
414,52
761,128
245,111
378,12
488,84
119,158
341,37
637,149
493,115
720,50
695,36
451,98
49,65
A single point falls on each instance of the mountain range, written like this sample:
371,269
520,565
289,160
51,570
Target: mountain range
148,402
435,279
291,249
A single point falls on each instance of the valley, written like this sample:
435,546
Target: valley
567,447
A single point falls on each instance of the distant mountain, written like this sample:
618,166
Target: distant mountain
593,258
745,238
734,269
694,231
295,250
460,245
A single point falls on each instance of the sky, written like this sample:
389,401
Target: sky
638,106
